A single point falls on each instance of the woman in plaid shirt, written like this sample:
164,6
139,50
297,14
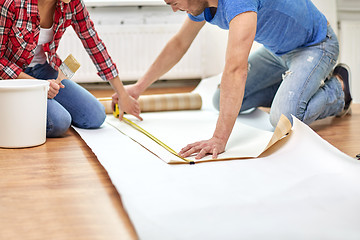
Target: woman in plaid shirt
31,28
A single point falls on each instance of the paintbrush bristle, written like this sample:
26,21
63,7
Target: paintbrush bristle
71,63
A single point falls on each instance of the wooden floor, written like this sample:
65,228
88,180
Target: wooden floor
59,190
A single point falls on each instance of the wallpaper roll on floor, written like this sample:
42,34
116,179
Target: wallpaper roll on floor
170,102
162,102
106,102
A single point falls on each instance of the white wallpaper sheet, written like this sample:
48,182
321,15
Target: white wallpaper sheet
304,188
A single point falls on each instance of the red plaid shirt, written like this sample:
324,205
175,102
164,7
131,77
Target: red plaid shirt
19,34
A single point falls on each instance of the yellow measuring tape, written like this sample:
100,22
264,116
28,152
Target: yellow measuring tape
146,133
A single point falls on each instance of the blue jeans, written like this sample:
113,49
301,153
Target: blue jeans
297,83
72,105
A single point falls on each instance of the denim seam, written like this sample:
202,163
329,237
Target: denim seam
306,84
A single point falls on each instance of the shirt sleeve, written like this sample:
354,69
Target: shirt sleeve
84,28
8,69
233,8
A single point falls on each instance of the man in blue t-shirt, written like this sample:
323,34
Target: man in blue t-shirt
292,73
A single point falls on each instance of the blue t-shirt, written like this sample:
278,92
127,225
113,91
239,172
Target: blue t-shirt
282,25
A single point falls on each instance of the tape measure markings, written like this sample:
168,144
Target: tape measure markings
146,133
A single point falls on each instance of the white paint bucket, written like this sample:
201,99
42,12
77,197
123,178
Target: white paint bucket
23,105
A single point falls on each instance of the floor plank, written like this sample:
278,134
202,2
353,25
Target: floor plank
343,133
59,191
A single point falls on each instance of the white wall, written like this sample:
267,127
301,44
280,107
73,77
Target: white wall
135,35
344,17
329,9
349,35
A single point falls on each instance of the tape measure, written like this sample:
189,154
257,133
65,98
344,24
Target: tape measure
116,114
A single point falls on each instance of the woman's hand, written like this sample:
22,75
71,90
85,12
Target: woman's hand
212,146
126,104
54,88
61,76
115,100
130,89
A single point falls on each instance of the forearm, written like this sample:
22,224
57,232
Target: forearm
231,94
118,87
171,53
168,58
23,75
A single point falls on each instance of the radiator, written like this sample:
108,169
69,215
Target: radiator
133,49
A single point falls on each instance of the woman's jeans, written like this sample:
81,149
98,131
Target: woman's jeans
72,105
297,83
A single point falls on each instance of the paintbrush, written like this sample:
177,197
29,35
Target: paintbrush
69,66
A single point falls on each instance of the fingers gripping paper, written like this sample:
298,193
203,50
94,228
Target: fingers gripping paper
177,129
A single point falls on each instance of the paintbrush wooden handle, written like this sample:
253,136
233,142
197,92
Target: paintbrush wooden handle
68,68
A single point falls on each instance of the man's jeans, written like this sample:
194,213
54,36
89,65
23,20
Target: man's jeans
297,83
72,105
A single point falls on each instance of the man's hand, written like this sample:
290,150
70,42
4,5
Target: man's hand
133,90
212,146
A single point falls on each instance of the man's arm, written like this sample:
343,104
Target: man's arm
171,54
242,31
